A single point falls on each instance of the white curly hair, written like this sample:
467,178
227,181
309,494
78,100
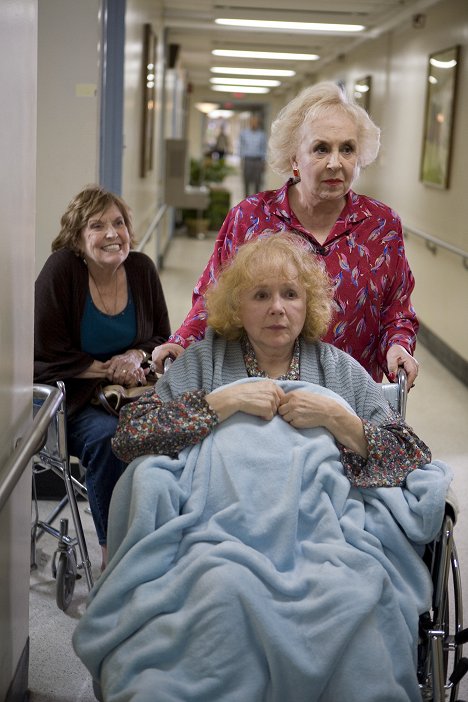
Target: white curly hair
314,102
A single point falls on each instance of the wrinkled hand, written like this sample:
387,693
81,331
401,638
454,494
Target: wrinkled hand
260,399
398,356
304,410
125,369
160,353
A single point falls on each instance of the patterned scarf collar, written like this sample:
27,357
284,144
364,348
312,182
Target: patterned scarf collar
253,370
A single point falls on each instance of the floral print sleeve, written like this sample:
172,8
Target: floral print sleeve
394,450
151,426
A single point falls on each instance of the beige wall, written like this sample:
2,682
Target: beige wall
18,63
145,195
397,63
141,193
67,110
68,113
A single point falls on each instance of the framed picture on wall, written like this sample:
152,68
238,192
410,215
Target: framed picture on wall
439,116
362,92
148,79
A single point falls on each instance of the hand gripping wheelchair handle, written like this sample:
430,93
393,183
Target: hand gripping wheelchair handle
168,361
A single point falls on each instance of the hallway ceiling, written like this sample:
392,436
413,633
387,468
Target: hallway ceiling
191,26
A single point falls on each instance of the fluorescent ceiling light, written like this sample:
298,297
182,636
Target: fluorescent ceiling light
305,26
443,64
221,114
247,81
239,89
265,55
206,107
279,72
361,88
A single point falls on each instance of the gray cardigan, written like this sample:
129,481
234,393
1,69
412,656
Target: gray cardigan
214,362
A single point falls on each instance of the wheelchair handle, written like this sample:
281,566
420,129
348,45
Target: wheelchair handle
402,382
168,361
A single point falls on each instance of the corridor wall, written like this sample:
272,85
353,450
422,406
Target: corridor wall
397,63
18,64
67,110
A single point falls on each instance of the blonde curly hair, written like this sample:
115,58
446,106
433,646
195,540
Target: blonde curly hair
91,201
270,254
312,103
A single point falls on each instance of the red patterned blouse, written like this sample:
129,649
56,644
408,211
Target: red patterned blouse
364,255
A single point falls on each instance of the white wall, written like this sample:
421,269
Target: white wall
67,110
146,194
18,45
140,193
397,63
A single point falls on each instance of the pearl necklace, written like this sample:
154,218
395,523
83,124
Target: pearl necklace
108,312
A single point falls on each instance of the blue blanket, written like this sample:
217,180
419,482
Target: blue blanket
250,570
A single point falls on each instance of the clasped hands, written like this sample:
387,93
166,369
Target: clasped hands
265,399
300,408
125,369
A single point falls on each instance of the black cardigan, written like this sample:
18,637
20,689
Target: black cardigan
60,295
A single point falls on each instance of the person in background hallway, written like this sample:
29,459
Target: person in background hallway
222,146
324,138
252,150
99,311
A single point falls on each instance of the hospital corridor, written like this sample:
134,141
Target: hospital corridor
134,135
437,409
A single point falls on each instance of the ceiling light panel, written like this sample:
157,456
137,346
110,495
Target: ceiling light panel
230,70
265,82
239,89
318,27
269,55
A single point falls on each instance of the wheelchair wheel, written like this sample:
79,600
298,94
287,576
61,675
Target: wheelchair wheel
65,577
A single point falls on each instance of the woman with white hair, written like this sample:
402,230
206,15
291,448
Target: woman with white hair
324,138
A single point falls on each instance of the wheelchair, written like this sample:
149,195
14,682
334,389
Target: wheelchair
53,455
441,664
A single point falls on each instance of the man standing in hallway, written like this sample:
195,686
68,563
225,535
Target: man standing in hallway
252,150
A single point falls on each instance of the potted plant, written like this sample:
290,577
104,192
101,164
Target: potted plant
211,172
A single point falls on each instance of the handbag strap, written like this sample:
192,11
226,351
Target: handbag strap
104,401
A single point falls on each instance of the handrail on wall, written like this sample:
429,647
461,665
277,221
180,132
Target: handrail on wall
152,227
433,242
30,444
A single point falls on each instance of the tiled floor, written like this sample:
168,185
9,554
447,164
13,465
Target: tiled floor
437,409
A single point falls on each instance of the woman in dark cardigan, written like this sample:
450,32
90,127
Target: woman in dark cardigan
99,312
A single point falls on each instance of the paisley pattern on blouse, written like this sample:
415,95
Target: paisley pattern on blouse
150,426
394,451
364,255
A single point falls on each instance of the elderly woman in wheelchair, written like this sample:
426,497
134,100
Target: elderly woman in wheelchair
266,541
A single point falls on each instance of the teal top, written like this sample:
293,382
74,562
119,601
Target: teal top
104,335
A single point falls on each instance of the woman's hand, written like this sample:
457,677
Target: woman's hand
97,369
398,356
125,369
306,410
260,399
160,353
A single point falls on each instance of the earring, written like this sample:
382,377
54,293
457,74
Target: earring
296,173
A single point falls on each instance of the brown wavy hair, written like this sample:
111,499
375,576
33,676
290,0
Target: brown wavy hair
91,201
271,253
